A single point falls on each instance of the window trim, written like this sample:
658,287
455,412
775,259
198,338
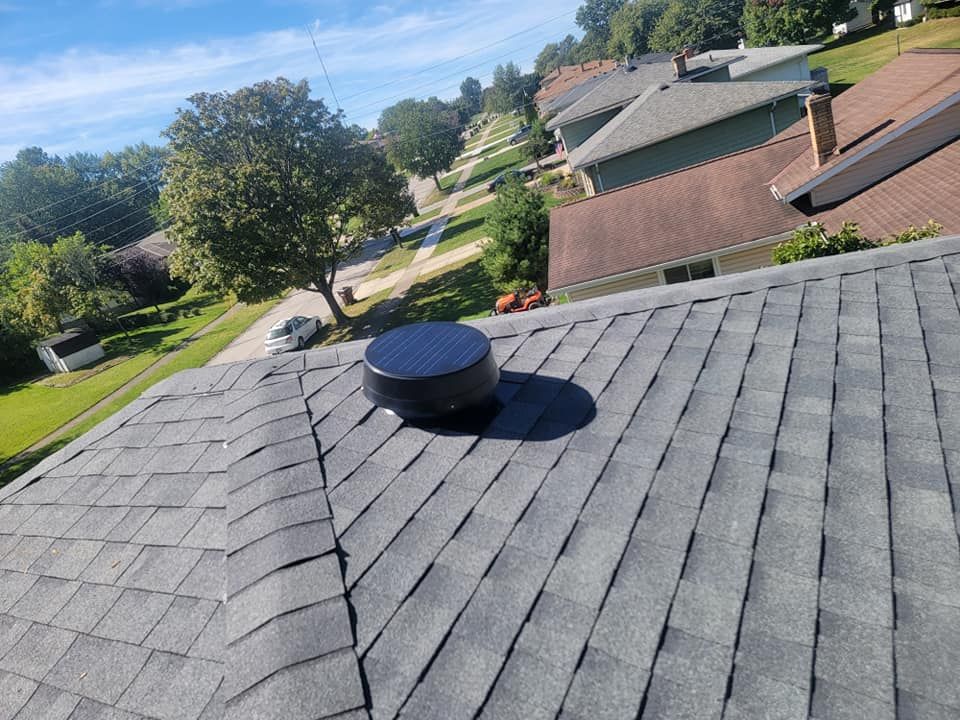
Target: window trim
661,276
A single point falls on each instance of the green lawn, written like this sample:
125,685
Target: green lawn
457,292
398,258
487,170
472,197
423,217
851,58
464,229
436,196
195,354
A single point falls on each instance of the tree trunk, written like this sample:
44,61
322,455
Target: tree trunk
396,237
327,292
437,181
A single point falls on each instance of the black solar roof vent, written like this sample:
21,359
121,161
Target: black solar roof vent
430,370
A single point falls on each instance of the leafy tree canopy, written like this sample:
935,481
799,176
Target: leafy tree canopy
786,22
594,17
471,92
631,25
423,136
519,224
511,89
108,198
554,55
703,24
262,183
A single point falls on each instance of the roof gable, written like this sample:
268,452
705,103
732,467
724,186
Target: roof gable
876,111
752,60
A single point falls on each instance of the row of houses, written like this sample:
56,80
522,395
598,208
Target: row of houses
684,184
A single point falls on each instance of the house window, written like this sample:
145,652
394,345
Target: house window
691,271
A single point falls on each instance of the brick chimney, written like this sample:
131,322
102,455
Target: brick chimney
823,132
679,65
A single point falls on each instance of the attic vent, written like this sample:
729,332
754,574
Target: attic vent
429,370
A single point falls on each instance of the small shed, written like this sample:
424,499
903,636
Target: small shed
71,350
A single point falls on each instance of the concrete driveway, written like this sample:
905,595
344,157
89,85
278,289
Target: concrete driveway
249,345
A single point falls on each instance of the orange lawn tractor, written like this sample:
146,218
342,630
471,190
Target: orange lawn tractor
520,300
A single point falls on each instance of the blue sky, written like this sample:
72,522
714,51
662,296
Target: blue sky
95,76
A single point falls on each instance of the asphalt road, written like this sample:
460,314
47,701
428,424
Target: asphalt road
249,345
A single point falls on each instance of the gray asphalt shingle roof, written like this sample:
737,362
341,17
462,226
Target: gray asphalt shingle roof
625,83
664,111
734,497
751,60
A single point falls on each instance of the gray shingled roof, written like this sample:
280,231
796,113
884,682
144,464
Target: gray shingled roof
622,85
730,497
750,60
671,109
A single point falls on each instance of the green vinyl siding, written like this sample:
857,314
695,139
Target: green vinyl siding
576,133
722,138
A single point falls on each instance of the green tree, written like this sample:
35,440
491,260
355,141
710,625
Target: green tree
261,183
631,25
507,92
786,22
539,144
519,223
29,279
381,200
423,136
703,24
471,91
554,55
594,17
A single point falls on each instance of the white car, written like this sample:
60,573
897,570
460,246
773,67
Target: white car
291,334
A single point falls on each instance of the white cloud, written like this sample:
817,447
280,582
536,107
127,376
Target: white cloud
75,99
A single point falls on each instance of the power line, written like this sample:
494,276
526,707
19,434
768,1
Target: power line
459,57
93,215
326,75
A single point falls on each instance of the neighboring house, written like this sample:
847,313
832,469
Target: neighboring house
554,106
862,17
674,125
733,498
788,62
566,77
70,351
908,11
884,154
583,118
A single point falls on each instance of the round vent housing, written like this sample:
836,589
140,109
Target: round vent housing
429,370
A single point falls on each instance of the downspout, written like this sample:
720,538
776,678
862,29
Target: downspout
596,169
773,120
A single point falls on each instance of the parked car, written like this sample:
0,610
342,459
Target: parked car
291,334
521,175
520,134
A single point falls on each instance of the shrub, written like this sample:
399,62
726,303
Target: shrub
912,234
548,178
520,227
166,316
811,241
568,182
935,13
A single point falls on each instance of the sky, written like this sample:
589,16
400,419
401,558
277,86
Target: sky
98,75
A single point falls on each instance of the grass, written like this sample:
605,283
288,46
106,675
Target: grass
464,229
472,197
196,353
423,217
462,291
851,58
436,196
487,170
398,258
32,410
360,312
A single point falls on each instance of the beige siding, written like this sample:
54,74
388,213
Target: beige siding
917,142
619,285
756,257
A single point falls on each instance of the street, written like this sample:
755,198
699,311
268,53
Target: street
249,345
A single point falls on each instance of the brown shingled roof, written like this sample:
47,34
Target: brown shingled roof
566,77
878,106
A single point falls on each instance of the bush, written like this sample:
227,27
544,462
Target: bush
568,182
548,178
519,225
811,241
166,316
912,234
935,13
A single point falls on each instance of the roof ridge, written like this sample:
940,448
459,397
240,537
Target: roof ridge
286,603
